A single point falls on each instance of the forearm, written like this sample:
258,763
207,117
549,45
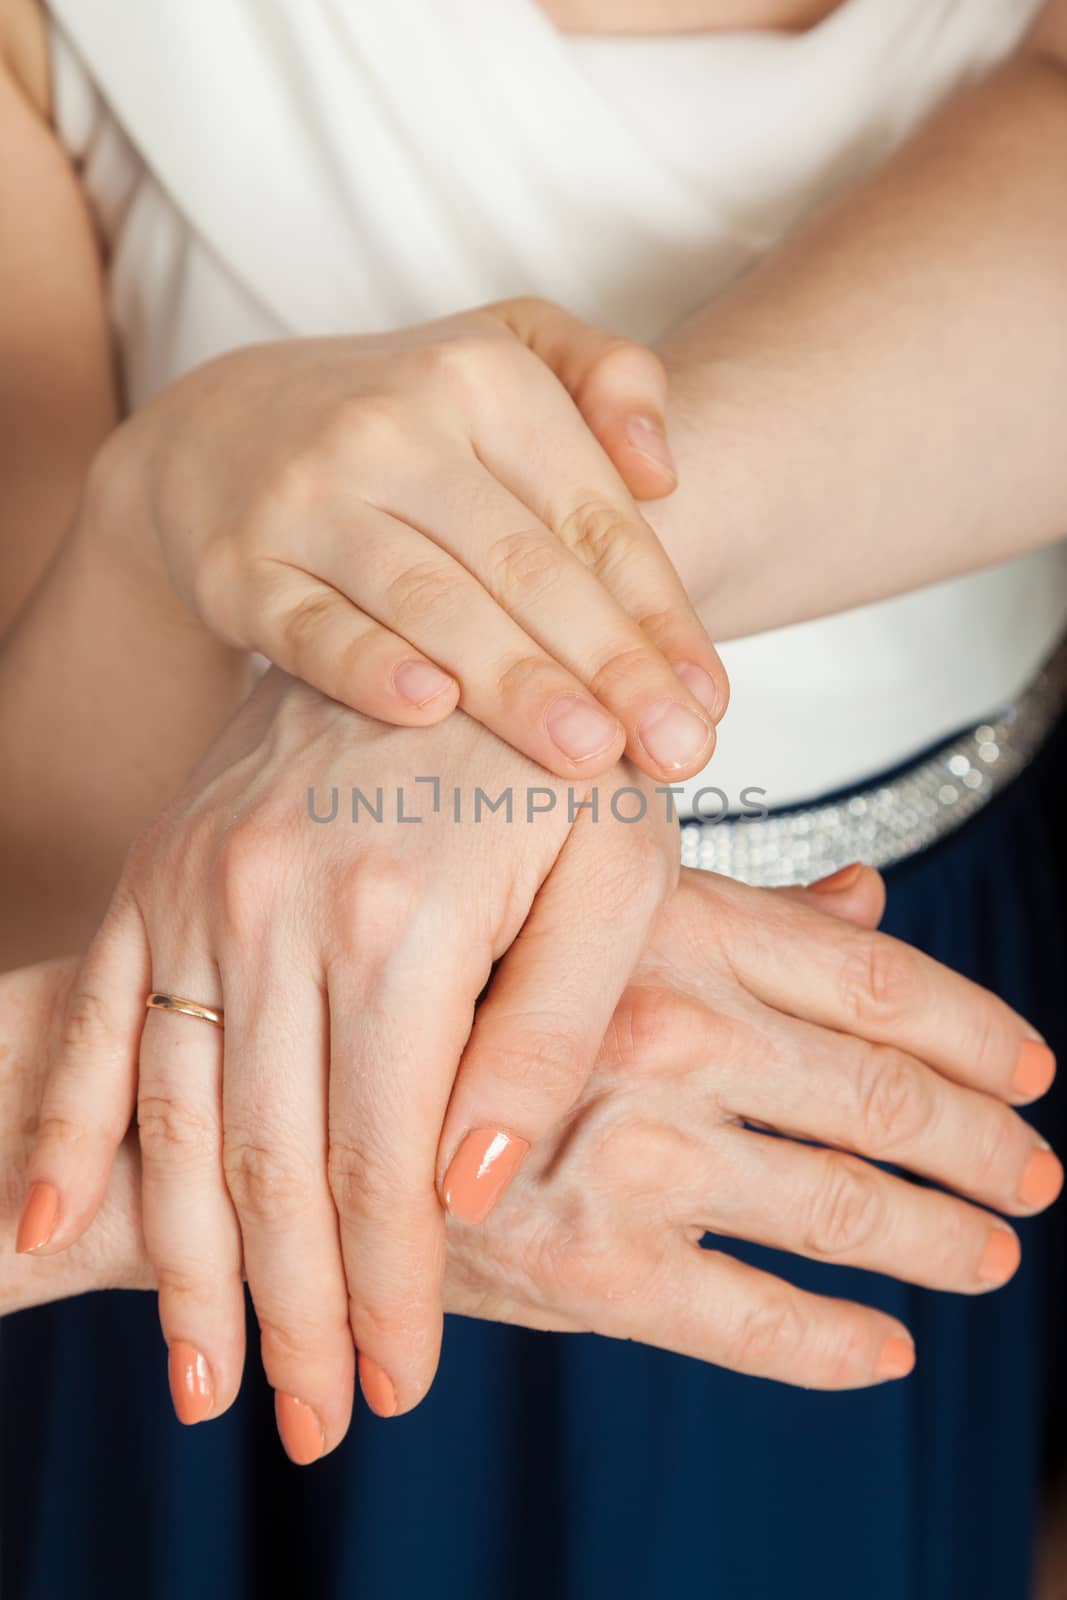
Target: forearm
109,695
881,403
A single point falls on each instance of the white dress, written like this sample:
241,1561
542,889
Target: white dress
296,167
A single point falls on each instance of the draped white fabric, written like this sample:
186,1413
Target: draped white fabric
272,167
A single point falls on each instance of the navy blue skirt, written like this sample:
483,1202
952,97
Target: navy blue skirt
575,1467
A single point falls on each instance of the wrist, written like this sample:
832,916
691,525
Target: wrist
115,527
716,525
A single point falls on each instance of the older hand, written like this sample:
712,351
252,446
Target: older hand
722,1032
754,1010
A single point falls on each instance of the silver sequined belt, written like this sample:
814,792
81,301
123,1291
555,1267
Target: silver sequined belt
892,818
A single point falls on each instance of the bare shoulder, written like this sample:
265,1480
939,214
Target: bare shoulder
1049,33
24,50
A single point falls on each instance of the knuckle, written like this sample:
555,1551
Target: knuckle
896,1105
426,590
172,1134
246,867
68,1133
996,1157
847,1358
263,1181
540,1059
295,486
658,1024
460,358
524,566
294,1341
407,1315
375,897
846,1208
183,1283
603,537
524,678
878,982
370,427
86,1022
619,674
360,1183
214,579
302,630
769,1336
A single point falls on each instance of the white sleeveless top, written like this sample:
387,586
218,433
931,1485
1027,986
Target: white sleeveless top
267,168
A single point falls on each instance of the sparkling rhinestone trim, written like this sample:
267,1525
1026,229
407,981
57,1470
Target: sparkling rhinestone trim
892,820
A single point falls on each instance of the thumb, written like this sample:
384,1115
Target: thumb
619,387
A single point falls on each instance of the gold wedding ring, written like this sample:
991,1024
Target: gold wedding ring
188,1008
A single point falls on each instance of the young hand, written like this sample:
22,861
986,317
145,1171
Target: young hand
433,517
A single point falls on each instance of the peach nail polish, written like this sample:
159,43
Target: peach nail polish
191,1387
300,1430
1035,1070
999,1258
481,1170
1041,1181
39,1217
838,881
377,1387
897,1358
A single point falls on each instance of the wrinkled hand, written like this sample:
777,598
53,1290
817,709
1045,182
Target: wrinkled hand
754,1010
314,1141
435,515
598,1230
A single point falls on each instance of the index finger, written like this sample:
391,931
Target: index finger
876,987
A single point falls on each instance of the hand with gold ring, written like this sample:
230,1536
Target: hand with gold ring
311,988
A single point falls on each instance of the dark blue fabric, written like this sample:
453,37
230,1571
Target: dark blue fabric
573,1467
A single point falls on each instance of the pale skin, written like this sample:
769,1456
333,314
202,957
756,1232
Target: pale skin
67,657
904,1061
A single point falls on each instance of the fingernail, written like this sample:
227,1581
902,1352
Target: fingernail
673,735
1000,1257
897,1358
191,1388
701,685
578,728
420,682
39,1216
647,437
481,1170
1042,1180
1035,1070
838,881
377,1387
300,1430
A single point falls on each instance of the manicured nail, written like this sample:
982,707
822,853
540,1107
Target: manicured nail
837,882
897,1358
191,1387
1035,1070
701,686
673,735
377,1387
1000,1257
481,1170
420,682
578,728
647,437
300,1430
39,1217
1042,1180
